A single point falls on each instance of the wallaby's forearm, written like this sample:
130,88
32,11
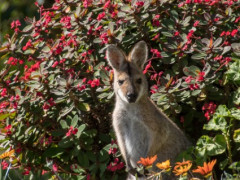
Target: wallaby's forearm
121,143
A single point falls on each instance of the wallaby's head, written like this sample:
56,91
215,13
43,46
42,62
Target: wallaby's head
129,82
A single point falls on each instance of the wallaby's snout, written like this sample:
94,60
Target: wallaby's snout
131,96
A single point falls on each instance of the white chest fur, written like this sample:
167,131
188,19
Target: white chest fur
137,137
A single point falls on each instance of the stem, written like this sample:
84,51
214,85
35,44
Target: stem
192,176
220,67
5,177
156,175
226,136
228,141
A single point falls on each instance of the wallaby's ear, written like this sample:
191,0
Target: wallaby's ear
115,56
139,54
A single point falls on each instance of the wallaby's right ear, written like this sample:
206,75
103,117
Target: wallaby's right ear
115,56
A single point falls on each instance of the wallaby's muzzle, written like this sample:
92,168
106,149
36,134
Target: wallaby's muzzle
131,97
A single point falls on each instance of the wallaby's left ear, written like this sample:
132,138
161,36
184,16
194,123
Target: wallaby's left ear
115,56
139,54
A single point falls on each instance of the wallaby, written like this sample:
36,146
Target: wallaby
141,129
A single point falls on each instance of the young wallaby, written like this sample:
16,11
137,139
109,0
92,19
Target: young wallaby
142,130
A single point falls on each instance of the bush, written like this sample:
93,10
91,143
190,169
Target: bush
56,86
12,9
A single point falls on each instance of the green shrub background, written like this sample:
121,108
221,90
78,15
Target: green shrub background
56,86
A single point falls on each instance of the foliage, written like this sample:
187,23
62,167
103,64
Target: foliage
14,9
56,87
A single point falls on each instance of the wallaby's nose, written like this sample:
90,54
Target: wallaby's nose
131,97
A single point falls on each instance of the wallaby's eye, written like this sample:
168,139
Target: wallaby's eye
120,82
139,81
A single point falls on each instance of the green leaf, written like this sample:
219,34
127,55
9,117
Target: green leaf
206,145
64,125
186,155
3,49
97,40
121,14
216,124
103,95
83,159
186,21
66,110
199,56
201,145
183,178
46,49
58,92
5,115
235,166
78,169
126,8
233,74
236,97
227,176
65,143
4,56
220,145
92,156
53,152
103,155
111,27
27,28
167,34
236,48
235,113
29,52
74,121
228,11
105,138
191,71
217,42
84,106
196,92
58,133
99,66
33,84
222,111
80,130
226,49
236,135
91,132
207,68
168,25
107,147
102,168
223,164
169,60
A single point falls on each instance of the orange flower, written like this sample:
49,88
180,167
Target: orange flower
207,168
164,165
182,168
7,154
147,161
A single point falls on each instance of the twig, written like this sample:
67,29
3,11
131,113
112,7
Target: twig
7,171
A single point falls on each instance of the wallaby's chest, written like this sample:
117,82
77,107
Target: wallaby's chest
136,135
